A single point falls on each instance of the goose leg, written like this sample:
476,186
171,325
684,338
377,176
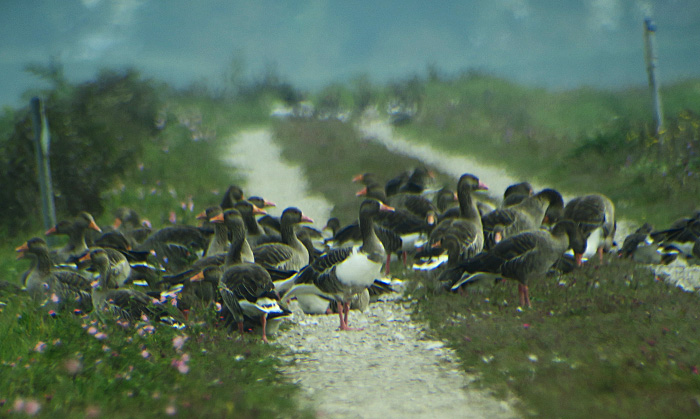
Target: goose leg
240,328
524,293
600,254
343,309
388,259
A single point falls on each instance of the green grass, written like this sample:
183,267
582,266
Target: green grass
607,341
71,370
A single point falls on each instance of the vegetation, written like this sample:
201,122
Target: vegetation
612,341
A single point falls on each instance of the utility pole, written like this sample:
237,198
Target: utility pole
42,140
652,71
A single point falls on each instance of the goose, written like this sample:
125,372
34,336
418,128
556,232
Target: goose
127,304
75,230
235,254
70,287
233,194
526,215
682,234
595,216
247,289
467,226
516,193
523,257
175,246
342,273
219,242
291,254
254,231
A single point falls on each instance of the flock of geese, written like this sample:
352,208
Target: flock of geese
250,265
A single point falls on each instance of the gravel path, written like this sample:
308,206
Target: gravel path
388,369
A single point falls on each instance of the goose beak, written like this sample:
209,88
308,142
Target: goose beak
117,223
94,226
384,207
358,178
361,192
50,231
305,219
202,215
198,277
20,250
269,203
482,186
258,211
85,258
217,219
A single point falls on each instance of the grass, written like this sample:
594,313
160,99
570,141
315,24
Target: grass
77,366
608,341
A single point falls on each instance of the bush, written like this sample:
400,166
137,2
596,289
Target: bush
97,130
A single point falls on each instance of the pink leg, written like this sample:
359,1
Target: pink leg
600,254
388,259
527,295
240,327
343,309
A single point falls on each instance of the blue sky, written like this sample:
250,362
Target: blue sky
550,43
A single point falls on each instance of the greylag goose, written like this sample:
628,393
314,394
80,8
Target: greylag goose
233,194
526,215
176,246
467,226
219,242
523,257
516,193
235,253
254,231
247,289
125,303
69,287
75,230
342,273
595,216
682,234
291,254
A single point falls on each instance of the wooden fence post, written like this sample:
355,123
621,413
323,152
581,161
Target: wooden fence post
652,71
42,140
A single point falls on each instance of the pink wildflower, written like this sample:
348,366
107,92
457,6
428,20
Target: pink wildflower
31,407
145,354
178,342
100,336
40,347
92,330
170,410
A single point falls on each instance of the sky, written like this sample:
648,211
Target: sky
556,44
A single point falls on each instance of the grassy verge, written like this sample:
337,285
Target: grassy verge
76,366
